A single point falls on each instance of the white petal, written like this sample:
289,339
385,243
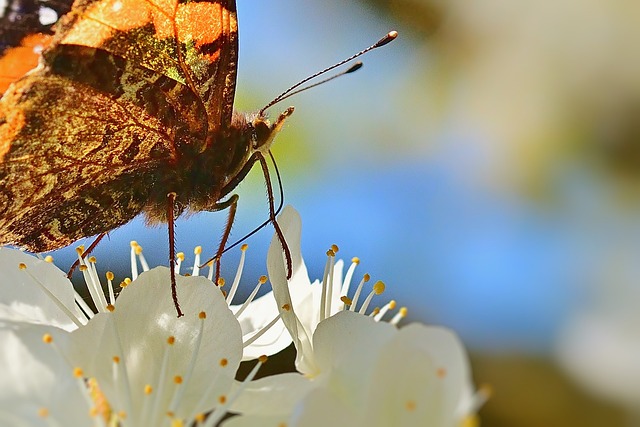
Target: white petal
348,343
273,395
34,377
418,379
256,420
258,315
137,332
290,223
23,295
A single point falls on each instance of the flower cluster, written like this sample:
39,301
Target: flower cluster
132,362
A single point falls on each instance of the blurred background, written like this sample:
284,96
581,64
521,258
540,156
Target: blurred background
485,165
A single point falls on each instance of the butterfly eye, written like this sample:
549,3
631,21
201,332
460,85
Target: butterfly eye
262,132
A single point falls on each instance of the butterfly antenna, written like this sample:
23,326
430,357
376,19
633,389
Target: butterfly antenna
391,35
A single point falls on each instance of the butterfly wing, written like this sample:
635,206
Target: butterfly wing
81,151
192,42
87,138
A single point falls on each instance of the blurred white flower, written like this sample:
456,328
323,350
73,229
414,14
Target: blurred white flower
355,368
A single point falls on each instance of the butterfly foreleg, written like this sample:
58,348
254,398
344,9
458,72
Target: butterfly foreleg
232,204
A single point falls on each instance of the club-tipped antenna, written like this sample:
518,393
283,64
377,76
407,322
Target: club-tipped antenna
391,35
354,67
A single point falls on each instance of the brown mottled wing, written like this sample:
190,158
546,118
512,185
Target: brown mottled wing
81,143
192,42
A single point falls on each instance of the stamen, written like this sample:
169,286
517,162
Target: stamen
402,313
48,259
93,284
325,276
378,288
346,284
134,260
327,313
356,296
141,258
112,296
388,306
179,260
221,411
260,332
243,307
236,280
196,261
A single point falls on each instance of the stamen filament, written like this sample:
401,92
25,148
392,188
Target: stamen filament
236,280
253,294
261,332
196,261
134,260
356,296
215,417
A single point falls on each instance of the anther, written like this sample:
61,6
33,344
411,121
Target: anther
48,258
202,315
22,266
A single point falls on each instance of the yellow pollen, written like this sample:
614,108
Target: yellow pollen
199,418
180,256
22,266
263,358
122,415
224,362
244,247
170,414
355,260
210,264
116,359
110,275
137,250
48,258
111,307
47,339
286,307
77,372
220,282
224,294
378,287
43,412
93,259
345,299
366,277
177,379
93,412
392,304
82,268
171,340
403,311
197,250
376,311
410,405
222,399
80,250
202,315
148,389
441,372
335,249
331,253
177,423
282,425
133,243
263,280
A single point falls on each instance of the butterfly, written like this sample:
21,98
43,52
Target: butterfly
129,110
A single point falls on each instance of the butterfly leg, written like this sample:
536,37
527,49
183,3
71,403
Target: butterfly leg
171,202
232,205
90,249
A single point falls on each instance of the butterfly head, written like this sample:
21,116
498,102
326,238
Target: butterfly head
264,132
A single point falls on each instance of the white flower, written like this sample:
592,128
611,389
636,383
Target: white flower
144,365
356,369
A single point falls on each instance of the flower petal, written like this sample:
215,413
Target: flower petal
37,386
23,293
144,356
